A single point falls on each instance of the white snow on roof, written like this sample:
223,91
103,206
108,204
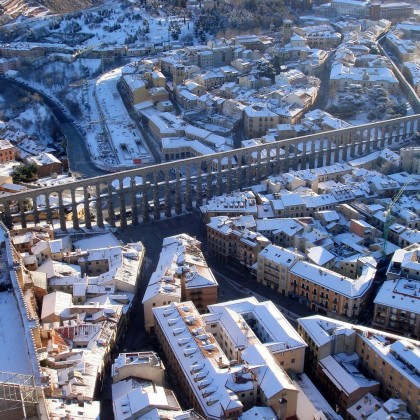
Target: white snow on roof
334,281
401,294
99,241
364,407
259,413
56,303
322,329
402,355
180,258
319,255
61,409
345,376
279,255
58,269
280,334
175,143
270,377
141,398
195,359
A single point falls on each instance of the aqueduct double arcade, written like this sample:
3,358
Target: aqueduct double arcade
137,195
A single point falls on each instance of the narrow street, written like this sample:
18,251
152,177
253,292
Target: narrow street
321,100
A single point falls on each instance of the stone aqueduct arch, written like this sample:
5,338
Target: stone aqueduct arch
175,186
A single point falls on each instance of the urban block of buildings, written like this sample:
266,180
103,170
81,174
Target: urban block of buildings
232,358
77,295
181,274
350,362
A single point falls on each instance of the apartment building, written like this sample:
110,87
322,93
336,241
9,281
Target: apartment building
343,382
383,357
391,10
26,51
371,407
410,159
397,307
353,8
332,360
114,264
405,263
411,71
404,47
342,76
138,389
402,235
46,164
228,241
250,42
274,263
394,362
215,383
146,365
174,148
55,306
210,79
7,151
258,120
290,77
232,205
24,239
308,177
134,88
261,322
324,290
320,36
140,399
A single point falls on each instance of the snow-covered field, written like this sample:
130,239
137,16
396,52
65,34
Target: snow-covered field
13,349
361,105
29,126
112,24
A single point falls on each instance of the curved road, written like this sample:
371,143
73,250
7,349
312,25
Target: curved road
77,152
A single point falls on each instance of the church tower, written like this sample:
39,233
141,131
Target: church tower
287,31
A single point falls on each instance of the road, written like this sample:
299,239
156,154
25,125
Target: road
322,98
77,152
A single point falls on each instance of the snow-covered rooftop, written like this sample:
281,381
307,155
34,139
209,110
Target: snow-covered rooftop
403,294
336,282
